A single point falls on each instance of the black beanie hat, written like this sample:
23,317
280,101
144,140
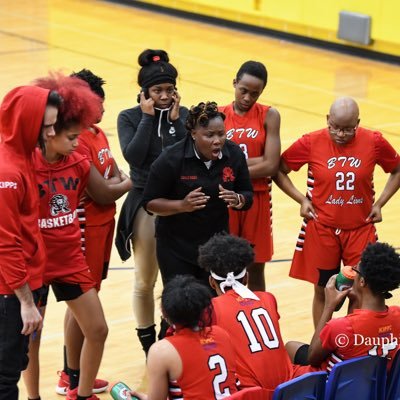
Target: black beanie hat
155,69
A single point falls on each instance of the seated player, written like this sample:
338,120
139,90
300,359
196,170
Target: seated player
372,328
198,361
250,318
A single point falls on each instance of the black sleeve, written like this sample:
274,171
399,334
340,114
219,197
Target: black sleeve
180,123
161,179
243,183
135,136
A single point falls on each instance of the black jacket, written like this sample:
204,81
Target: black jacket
177,172
142,138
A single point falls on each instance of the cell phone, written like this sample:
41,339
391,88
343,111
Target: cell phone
146,94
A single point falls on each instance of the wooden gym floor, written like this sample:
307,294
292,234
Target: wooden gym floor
42,35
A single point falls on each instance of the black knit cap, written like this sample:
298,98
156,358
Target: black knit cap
155,69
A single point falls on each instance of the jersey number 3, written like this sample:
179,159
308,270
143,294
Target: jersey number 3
265,328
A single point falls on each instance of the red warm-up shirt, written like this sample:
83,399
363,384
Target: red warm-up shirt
60,187
22,254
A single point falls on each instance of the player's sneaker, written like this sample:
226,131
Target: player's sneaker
63,383
100,385
73,394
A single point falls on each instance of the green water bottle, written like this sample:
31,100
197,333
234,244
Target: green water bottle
120,391
344,281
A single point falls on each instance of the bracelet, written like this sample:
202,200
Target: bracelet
240,199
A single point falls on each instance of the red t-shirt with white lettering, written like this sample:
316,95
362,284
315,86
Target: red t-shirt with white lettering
362,333
340,177
61,185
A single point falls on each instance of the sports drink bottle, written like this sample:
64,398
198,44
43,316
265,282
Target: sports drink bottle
344,281
120,391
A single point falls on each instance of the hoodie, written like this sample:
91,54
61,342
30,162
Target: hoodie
61,185
143,137
22,253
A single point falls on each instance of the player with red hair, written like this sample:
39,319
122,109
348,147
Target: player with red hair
62,176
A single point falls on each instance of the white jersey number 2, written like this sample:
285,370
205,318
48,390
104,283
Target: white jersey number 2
216,361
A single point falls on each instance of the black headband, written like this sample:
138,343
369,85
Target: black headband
158,78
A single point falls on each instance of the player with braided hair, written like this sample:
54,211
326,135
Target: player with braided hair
190,188
372,328
64,174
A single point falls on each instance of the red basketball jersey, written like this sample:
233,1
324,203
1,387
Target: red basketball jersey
340,177
362,333
208,365
253,326
249,133
95,146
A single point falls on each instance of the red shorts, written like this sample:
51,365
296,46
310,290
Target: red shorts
98,244
299,370
255,225
70,287
320,249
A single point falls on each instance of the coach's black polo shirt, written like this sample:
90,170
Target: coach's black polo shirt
177,172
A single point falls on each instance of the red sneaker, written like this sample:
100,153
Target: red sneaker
100,385
63,383
73,394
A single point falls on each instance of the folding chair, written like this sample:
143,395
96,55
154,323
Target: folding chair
308,386
359,378
253,393
393,381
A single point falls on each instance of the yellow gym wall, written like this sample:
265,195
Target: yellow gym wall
316,19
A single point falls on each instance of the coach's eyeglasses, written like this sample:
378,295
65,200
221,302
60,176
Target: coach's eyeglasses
346,131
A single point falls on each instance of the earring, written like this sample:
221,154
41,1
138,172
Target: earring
193,138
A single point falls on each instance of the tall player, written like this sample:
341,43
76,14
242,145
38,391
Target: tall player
62,176
340,209
251,318
96,220
255,128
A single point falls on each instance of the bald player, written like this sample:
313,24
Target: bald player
339,210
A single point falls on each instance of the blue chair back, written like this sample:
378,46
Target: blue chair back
393,382
308,386
359,378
